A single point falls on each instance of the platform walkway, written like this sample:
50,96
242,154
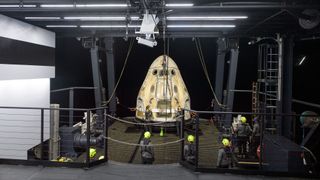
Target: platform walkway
116,171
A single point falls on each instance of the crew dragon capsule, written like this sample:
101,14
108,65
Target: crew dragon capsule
163,93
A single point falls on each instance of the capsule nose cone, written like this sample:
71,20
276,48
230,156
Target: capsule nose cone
163,92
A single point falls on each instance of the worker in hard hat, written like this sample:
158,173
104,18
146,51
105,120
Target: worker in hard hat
225,155
147,153
148,117
190,149
243,133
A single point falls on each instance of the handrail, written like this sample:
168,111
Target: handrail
243,113
72,88
44,108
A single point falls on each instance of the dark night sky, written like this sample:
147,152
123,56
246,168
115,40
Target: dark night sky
73,68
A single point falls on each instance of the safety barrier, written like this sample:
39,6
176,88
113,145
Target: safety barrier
268,153
45,136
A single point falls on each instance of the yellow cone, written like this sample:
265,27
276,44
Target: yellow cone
161,132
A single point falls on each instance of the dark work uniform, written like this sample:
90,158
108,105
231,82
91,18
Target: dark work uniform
224,159
255,137
148,117
190,152
147,154
243,133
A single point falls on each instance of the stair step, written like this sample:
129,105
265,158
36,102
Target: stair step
271,106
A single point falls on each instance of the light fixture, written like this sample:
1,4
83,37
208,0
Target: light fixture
56,5
9,6
205,18
179,5
29,5
103,26
302,60
17,6
134,18
42,18
100,5
109,26
97,18
201,26
61,26
134,26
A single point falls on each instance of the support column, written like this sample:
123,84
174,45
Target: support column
96,81
234,52
110,74
221,54
71,106
279,109
287,87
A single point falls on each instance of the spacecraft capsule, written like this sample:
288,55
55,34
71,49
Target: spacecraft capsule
163,93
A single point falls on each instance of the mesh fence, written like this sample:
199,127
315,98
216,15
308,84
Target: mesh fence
249,143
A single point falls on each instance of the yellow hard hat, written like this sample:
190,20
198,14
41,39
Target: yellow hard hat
92,152
191,138
225,142
101,157
147,135
243,119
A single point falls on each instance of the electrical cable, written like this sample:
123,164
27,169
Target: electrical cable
141,124
123,68
205,70
313,156
134,144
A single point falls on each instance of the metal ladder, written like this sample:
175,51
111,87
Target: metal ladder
268,83
255,105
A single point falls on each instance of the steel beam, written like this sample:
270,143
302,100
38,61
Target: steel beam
122,33
221,54
220,6
231,81
96,80
287,87
71,105
280,84
110,74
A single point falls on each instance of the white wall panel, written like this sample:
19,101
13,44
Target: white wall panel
18,30
20,128
11,72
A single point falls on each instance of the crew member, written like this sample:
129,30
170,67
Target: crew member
190,150
148,113
255,138
225,155
243,132
148,117
147,153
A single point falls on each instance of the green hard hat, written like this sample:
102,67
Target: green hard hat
191,138
225,142
147,135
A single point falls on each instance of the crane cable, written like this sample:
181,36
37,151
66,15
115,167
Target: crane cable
205,70
123,68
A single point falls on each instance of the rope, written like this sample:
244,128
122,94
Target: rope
313,156
123,68
142,124
134,144
205,70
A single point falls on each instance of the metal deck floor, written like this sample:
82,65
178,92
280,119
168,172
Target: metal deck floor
208,146
114,171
